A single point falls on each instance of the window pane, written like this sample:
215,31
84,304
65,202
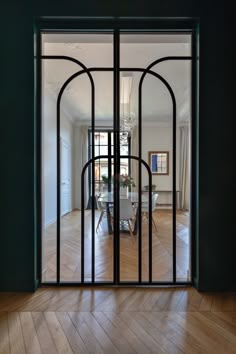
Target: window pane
124,168
104,170
103,150
124,149
96,138
103,138
97,151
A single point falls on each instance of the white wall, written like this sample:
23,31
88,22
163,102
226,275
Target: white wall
159,138
154,138
49,155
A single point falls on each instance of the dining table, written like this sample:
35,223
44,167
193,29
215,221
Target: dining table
108,199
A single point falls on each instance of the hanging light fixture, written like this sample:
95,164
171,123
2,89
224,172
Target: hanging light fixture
127,119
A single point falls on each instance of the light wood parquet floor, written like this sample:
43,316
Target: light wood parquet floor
161,249
122,320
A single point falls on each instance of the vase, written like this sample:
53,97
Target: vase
124,192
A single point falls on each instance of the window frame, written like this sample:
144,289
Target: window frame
109,145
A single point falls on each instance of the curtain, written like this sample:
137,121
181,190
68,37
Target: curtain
84,159
134,152
184,168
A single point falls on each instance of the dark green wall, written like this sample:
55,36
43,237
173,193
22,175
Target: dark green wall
17,228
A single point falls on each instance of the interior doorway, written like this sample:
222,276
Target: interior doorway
122,179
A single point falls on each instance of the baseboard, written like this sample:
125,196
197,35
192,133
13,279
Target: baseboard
50,222
164,206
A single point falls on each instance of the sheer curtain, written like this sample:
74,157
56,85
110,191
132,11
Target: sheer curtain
184,167
134,152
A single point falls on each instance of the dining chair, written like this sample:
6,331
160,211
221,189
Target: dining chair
127,213
145,208
101,208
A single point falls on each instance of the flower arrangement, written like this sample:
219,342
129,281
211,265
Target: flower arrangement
126,181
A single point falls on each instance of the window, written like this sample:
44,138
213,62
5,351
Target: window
104,145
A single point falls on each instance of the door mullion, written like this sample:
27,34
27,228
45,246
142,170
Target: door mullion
116,127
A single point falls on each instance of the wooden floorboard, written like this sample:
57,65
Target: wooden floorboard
162,249
117,320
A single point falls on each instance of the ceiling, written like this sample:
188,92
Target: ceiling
136,50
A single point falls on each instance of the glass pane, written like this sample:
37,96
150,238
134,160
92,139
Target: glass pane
183,202
140,50
104,226
96,138
124,149
49,180
103,150
75,125
96,153
136,50
104,169
103,138
124,167
97,171
129,234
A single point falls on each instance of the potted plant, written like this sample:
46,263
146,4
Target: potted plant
105,182
104,179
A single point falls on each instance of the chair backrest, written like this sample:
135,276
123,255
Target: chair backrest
154,200
126,209
100,205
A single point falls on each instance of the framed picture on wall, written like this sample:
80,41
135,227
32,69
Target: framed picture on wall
159,162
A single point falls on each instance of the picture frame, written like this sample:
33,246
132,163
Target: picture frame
159,162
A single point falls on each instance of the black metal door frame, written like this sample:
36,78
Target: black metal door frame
116,30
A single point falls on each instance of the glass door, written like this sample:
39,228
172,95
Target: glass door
119,102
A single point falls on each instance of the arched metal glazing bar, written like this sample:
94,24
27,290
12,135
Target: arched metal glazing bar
139,216
65,57
147,71
160,60
85,70
88,71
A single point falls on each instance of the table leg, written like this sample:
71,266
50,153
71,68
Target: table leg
136,223
109,226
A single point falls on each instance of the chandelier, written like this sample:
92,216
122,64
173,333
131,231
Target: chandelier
127,119
127,123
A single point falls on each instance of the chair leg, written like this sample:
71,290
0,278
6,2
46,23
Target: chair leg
100,219
130,231
154,224
112,222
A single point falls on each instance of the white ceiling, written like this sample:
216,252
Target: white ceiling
96,50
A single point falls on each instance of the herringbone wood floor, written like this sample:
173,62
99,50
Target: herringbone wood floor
161,249
128,320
